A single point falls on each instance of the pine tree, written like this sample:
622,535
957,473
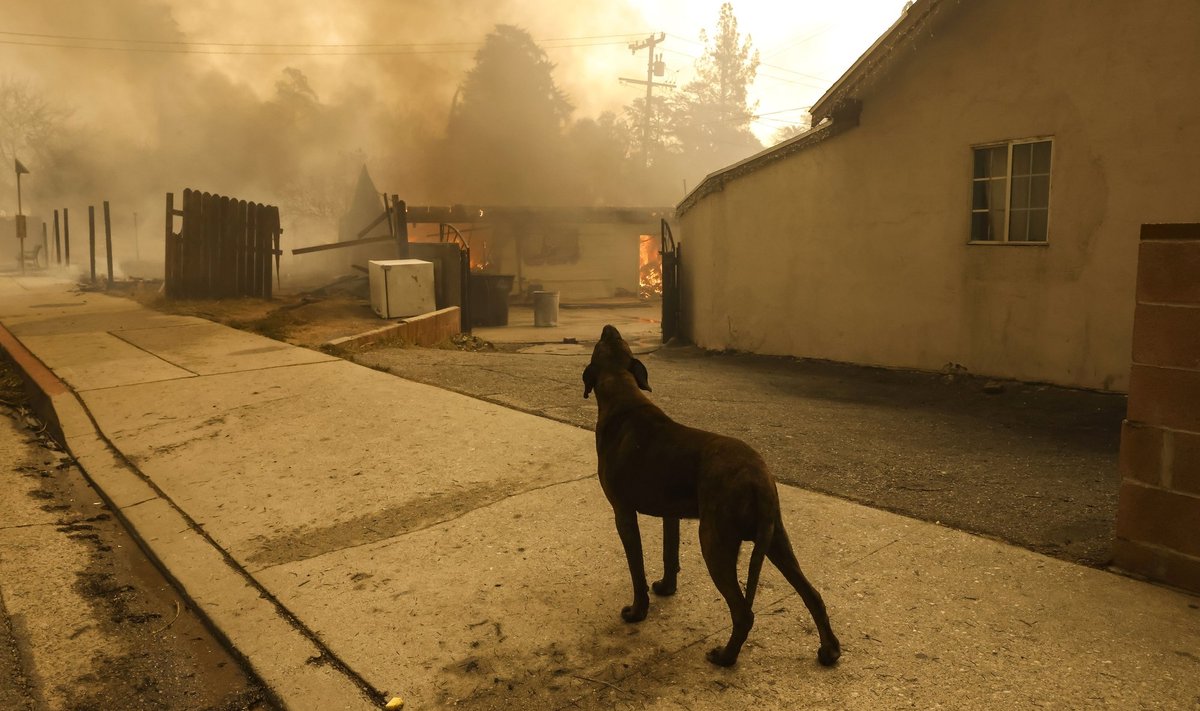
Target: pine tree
710,116
506,127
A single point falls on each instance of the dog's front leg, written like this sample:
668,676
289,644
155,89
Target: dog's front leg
666,586
631,538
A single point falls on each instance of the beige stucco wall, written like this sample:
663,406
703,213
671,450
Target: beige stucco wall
855,249
607,263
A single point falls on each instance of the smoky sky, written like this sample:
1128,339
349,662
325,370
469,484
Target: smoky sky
275,124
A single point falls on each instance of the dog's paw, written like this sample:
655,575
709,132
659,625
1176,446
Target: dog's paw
716,655
828,656
662,588
633,613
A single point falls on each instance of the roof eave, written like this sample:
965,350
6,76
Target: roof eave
913,16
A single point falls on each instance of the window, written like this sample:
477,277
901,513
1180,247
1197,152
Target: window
1010,192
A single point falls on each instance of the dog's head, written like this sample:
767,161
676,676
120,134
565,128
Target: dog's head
611,356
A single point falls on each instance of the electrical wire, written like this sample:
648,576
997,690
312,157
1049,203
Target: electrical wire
266,49
332,45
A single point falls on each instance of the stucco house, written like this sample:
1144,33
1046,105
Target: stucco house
971,193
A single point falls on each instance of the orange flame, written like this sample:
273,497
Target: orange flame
649,267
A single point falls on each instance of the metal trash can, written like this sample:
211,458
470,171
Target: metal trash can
545,308
489,299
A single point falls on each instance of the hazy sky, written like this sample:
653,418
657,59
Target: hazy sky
805,46
172,92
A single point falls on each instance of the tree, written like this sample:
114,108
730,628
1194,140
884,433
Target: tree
658,140
785,132
28,123
710,116
506,126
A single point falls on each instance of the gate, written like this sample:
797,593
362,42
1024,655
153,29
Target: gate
223,248
671,302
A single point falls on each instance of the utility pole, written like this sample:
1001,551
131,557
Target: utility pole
654,67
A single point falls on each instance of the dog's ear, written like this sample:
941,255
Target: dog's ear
639,374
589,380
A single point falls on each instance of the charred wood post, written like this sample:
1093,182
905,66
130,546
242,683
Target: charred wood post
171,256
92,240
400,222
108,243
67,235
57,241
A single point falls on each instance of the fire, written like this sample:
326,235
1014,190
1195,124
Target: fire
649,267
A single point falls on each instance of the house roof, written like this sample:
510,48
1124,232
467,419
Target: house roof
838,109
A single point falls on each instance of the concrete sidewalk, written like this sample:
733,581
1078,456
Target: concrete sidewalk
357,536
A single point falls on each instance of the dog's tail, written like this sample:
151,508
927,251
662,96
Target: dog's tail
762,541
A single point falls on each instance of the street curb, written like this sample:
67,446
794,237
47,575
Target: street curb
293,666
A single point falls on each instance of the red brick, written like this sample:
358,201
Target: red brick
1165,396
1141,452
1159,517
1169,272
1182,572
1185,462
1137,558
1167,335
1157,564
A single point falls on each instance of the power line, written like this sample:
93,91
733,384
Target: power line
791,45
335,45
766,75
353,50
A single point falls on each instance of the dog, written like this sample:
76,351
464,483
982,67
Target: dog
649,464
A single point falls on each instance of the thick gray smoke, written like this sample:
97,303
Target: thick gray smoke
288,125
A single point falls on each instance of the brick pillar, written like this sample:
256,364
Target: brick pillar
1158,514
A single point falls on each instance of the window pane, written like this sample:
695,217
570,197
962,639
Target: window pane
1018,223
1020,193
1022,158
1037,225
996,196
981,163
1039,191
996,226
979,195
1041,157
979,227
998,159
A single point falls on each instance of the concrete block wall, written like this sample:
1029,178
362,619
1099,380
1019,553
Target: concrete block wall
1158,514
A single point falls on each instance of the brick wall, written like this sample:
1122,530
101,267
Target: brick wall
1158,514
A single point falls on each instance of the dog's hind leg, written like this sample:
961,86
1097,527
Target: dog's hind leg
631,539
720,552
666,586
780,553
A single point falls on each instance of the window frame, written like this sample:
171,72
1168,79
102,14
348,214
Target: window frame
1008,179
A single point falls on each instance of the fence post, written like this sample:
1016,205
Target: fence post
401,210
67,235
169,247
92,240
108,243
57,241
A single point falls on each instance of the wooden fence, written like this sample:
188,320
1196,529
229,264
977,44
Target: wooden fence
223,248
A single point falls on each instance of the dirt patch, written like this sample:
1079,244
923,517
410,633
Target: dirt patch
129,640
306,319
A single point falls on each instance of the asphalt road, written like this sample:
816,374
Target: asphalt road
1032,465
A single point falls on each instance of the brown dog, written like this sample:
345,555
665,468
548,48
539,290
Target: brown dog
652,465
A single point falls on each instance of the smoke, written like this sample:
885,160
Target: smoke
288,125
